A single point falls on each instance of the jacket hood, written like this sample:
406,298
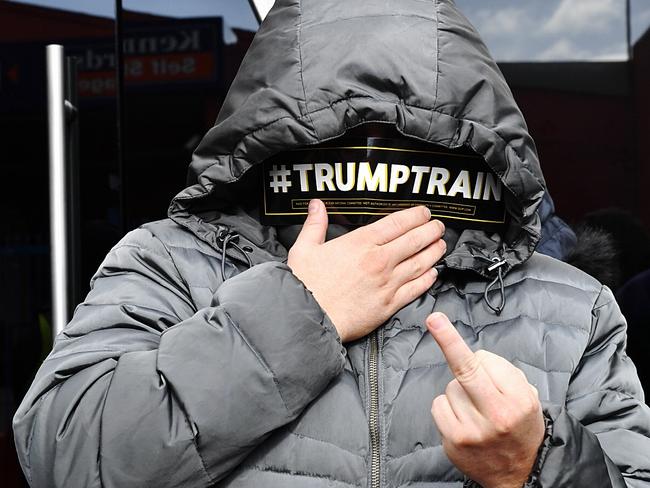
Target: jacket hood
317,68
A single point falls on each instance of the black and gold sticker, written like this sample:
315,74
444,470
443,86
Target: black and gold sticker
363,180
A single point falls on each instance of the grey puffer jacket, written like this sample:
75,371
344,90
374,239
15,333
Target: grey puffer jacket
168,375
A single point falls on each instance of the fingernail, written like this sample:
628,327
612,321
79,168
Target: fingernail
436,321
442,228
434,273
313,207
427,212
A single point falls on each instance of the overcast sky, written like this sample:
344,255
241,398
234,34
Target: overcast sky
514,30
556,29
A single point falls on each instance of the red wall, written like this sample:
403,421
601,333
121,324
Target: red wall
585,144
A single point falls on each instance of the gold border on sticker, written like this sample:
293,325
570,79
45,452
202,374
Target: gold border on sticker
424,202
379,148
437,215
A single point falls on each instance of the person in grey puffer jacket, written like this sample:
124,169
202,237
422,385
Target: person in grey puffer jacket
172,374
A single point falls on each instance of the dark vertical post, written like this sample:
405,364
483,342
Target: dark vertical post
121,129
73,189
633,153
255,11
628,29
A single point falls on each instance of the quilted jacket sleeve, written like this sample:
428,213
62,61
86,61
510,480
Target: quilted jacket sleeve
142,389
601,437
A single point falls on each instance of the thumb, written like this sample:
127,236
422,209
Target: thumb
315,227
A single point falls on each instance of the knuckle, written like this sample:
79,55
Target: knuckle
389,301
531,403
521,374
417,287
488,358
375,261
480,437
383,281
417,267
467,438
414,240
421,285
452,387
503,422
482,355
457,438
395,223
433,255
411,291
467,369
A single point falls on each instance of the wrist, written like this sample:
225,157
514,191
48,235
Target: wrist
532,481
470,483
342,332
518,476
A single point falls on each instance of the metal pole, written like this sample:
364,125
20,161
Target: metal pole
58,227
632,88
628,29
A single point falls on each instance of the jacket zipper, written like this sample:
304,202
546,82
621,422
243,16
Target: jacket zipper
373,417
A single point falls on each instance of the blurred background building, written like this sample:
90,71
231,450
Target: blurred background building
579,69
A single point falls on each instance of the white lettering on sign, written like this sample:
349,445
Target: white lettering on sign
437,181
280,179
461,185
324,177
184,41
351,172
303,169
385,178
494,187
419,171
478,187
399,174
377,181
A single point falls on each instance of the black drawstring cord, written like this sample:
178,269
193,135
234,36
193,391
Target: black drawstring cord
498,265
225,238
